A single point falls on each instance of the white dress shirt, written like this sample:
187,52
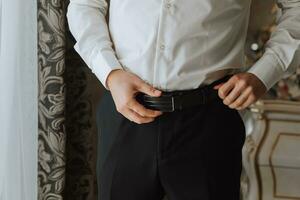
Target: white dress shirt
179,44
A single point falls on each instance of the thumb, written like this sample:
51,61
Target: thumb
148,89
216,87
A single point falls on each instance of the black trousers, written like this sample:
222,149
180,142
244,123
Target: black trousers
192,154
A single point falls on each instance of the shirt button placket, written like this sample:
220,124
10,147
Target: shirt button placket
166,9
169,7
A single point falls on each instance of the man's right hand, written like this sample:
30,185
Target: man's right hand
124,86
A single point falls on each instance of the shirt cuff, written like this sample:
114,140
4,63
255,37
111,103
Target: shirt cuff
268,69
102,63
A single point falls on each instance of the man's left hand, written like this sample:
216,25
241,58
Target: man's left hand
241,90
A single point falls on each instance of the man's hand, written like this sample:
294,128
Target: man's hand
241,90
124,86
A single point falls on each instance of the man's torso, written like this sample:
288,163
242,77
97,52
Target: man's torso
179,44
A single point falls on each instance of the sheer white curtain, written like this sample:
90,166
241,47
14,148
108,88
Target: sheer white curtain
18,100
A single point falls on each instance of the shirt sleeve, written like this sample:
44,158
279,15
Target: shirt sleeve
280,58
87,23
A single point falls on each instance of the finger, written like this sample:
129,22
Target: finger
248,102
241,99
233,95
216,87
141,110
238,89
135,117
226,88
148,89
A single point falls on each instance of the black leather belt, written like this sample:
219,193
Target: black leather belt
180,99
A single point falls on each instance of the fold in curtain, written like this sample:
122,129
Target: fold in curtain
18,100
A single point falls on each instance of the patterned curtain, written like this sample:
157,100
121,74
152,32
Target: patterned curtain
68,94
52,99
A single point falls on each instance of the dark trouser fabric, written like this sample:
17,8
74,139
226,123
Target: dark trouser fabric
192,154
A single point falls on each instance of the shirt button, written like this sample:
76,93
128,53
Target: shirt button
162,47
168,5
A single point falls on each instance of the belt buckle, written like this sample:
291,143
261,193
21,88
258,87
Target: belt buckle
173,104
176,102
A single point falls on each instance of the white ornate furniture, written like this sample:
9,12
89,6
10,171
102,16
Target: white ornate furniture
272,152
